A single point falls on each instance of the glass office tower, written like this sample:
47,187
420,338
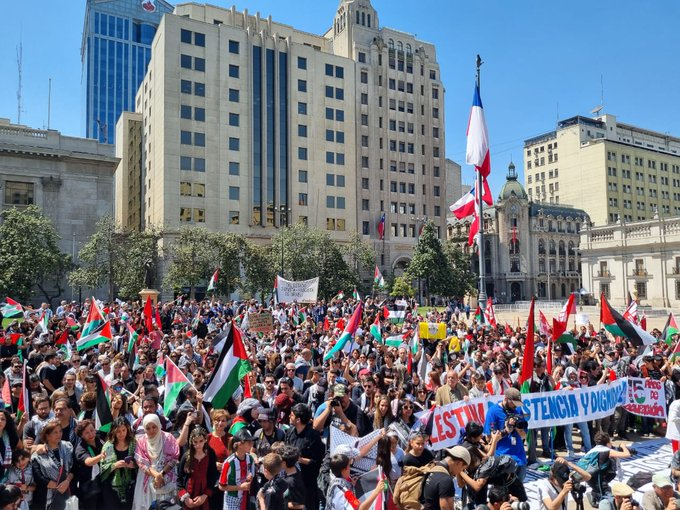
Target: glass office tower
116,50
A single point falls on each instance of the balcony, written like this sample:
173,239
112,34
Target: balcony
640,273
604,274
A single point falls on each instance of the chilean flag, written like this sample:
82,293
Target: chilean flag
474,226
381,227
477,152
465,206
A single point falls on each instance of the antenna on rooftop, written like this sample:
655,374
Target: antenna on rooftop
19,66
596,111
49,102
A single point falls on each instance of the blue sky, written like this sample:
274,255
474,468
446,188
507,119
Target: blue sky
542,59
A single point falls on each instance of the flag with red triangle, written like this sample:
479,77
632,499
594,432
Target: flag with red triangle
670,329
348,333
527,372
175,381
213,280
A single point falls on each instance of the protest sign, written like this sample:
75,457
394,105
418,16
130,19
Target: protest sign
260,322
547,409
646,397
304,291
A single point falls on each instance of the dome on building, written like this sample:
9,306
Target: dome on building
512,186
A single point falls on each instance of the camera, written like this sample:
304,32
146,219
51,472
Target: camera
335,402
520,505
633,451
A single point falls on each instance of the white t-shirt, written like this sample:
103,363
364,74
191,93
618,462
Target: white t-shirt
548,490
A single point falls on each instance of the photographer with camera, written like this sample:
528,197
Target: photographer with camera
507,417
663,495
565,478
621,498
601,462
500,499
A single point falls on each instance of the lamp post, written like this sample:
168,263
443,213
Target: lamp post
283,223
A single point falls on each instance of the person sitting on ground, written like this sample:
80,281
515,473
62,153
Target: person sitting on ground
553,492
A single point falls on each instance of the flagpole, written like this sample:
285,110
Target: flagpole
481,298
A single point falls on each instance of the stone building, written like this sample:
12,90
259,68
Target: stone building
71,179
530,248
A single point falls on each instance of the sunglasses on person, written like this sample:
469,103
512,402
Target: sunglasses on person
407,406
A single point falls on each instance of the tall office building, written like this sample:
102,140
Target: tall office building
613,171
248,125
115,52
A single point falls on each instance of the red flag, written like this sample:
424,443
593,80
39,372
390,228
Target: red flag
326,323
247,392
409,364
158,317
7,393
549,360
528,361
340,324
148,314
385,312
62,339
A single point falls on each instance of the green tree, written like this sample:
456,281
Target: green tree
115,257
464,278
30,254
230,250
259,263
430,262
193,258
402,287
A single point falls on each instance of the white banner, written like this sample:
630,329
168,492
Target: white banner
547,409
302,292
646,397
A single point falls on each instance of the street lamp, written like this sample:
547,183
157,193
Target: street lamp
283,222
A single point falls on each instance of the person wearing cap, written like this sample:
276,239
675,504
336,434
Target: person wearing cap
339,411
438,491
238,472
512,443
621,498
662,495
553,492
268,434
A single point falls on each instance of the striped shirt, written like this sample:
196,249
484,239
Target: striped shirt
235,471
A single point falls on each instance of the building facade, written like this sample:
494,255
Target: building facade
71,179
641,258
115,52
248,125
631,172
530,248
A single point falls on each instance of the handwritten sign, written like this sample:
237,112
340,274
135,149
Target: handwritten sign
646,397
260,322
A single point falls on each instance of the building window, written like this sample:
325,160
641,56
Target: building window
302,63
365,228
339,72
185,112
302,108
234,143
199,114
362,57
233,95
185,137
329,69
185,214
185,36
302,175
234,193
302,153
233,71
302,130
199,89
199,39
302,198
19,193
234,119
234,217
641,288
302,85
185,61
233,47
185,86
364,183
330,202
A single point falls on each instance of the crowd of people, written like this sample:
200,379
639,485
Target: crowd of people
270,447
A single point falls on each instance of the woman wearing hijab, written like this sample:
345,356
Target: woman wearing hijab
156,453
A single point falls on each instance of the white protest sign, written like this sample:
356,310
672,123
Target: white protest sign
304,291
646,397
547,409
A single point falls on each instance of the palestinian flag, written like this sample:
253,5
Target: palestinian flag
676,352
340,295
43,322
396,340
160,366
103,416
14,338
66,349
94,321
615,323
275,292
96,337
175,381
378,279
348,333
25,405
527,372
213,280
11,309
134,337
670,329
231,367
375,329
478,314
355,295
397,312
